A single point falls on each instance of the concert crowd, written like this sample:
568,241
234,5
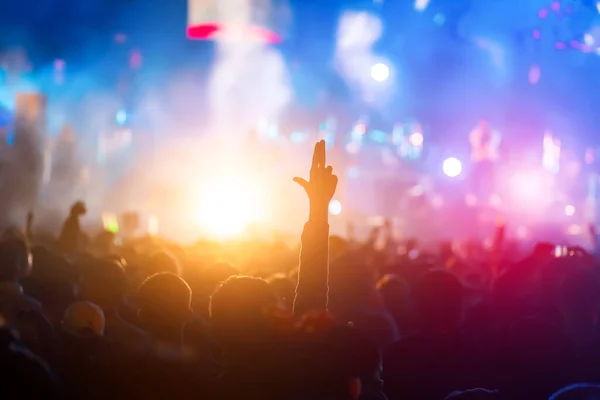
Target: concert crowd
335,318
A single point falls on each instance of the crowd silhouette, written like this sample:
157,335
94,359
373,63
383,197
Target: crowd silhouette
86,319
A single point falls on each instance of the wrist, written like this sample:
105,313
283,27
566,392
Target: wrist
318,213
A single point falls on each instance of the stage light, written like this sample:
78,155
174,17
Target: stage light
416,139
421,5
335,207
298,136
153,225
110,222
529,190
471,200
353,147
380,72
439,18
121,117
358,131
228,206
378,136
495,200
452,167
534,74
569,210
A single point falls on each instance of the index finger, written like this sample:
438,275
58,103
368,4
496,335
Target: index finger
323,155
315,159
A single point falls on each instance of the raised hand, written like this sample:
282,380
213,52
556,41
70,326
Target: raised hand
29,225
592,230
321,185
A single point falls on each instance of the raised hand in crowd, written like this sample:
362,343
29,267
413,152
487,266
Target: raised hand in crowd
71,234
29,226
312,288
321,185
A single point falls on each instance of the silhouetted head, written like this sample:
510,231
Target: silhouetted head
474,394
104,242
238,305
578,391
84,318
15,259
105,283
284,289
78,208
215,274
395,292
164,299
162,261
438,298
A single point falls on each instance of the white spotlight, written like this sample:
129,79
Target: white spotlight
380,72
452,167
421,5
569,210
335,207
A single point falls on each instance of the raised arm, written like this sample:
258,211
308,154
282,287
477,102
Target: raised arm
593,234
311,291
498,247
29,227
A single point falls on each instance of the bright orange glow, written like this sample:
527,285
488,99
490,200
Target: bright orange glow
227,206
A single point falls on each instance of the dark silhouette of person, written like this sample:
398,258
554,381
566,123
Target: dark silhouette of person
70,238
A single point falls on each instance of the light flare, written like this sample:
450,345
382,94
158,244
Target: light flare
228,206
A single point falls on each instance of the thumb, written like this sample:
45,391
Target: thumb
302,182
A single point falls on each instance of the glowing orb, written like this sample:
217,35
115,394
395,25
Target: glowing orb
380,72
335,207
228,206
452,167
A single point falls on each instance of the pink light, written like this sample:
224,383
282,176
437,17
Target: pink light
556,6
575,44
360,128
135,59
416,139
353,147
536,34
59,65
585,48
528,189
569,210
210,30
120,38
534,74
560,45
203,32
543,13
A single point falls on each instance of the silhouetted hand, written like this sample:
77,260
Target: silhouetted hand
321,185
374,234
29,225
592,230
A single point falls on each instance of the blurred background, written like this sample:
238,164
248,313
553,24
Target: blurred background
163,107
